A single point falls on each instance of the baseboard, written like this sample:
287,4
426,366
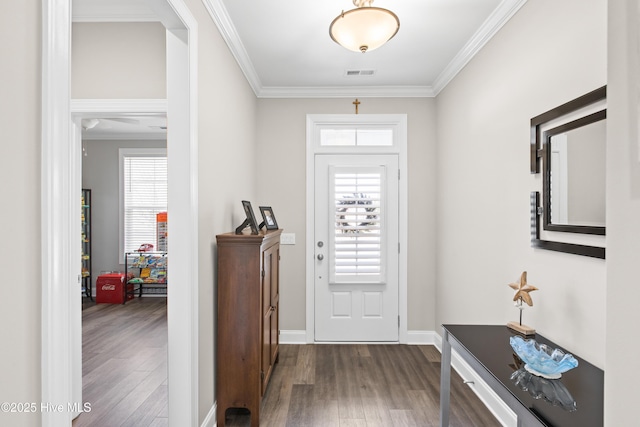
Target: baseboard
293,337
496,406
210,419
413,337
421,337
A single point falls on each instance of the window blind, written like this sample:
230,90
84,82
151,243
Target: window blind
145,195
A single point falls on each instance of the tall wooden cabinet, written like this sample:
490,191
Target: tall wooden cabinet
248,308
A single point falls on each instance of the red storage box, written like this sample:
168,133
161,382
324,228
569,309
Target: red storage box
110,288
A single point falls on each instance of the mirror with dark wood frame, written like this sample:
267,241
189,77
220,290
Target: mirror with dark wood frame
574,175
572,158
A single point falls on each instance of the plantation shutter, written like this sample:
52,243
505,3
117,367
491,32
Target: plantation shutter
358,238
145,195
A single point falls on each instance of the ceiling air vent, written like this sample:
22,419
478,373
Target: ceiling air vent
353,73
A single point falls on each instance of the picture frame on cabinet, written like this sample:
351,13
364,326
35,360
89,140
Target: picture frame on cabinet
250,219
269,219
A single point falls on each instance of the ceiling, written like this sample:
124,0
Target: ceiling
284,49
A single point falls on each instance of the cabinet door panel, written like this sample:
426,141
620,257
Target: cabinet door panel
275,332
275,301
266,352
266,282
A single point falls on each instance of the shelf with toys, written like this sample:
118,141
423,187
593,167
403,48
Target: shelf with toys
146,273
85,222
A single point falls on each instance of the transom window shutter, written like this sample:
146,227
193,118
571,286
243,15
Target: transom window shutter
358,238
145,195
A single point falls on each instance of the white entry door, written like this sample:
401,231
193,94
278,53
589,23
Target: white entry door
356,247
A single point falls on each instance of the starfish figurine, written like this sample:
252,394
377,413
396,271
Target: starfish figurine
522,294
523,290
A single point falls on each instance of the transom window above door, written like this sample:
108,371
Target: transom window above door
356,137
366,133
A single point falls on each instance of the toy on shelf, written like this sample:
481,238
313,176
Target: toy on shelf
147,271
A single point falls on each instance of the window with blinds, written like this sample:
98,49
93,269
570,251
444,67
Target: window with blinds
144,195
357,241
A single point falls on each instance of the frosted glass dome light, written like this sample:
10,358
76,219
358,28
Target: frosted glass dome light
365,28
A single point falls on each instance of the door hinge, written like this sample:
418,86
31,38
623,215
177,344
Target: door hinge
398,321
398,247
262,273
398,174
262,375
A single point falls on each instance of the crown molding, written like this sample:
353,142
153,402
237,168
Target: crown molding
220,16
500,16
347,92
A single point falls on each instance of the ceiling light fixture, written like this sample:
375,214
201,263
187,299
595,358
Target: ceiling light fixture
365,28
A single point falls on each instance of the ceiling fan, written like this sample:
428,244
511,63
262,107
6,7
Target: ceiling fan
107,122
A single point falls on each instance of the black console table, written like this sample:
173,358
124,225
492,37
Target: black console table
487,350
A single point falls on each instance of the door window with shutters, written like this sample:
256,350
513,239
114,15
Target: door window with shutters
358,238
143,194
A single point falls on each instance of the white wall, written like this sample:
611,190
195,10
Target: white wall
227,159
281,184
20,212
623,216
549,53
99,51
101,174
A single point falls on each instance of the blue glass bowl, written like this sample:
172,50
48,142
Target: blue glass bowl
542,360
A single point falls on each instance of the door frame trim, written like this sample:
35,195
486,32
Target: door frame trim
400,120
60,204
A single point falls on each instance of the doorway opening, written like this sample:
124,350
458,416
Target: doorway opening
122,338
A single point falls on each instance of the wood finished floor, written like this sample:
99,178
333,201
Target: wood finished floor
363,385
125,379
124,364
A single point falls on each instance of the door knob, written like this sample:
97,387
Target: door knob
320,257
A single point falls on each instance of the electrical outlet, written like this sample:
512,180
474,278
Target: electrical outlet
288,239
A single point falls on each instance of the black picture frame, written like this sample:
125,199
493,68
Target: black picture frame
268,217
250,219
